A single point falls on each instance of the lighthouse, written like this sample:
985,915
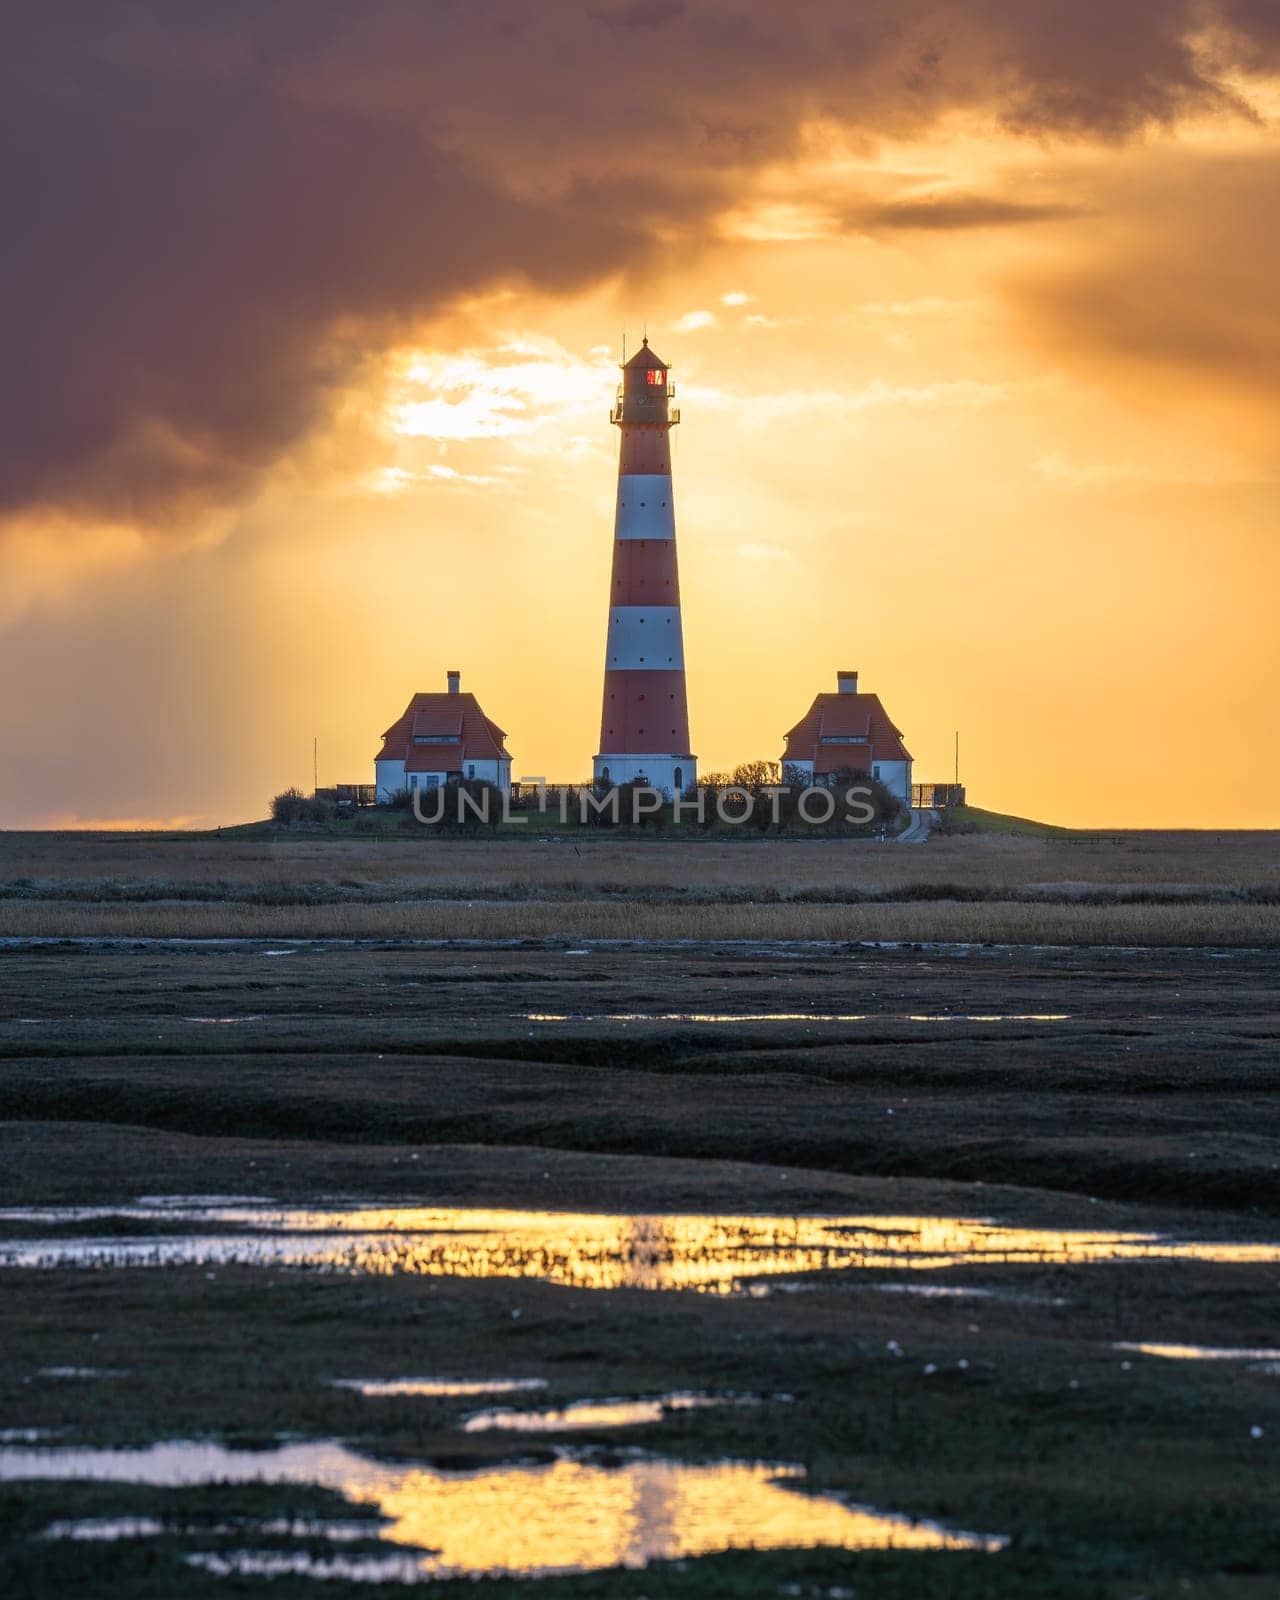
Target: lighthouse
644,721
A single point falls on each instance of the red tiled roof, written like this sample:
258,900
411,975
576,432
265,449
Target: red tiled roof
430,722
475,737
845,758
434,758
844,716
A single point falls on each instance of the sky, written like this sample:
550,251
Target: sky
311,317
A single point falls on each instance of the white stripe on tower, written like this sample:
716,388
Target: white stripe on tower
644,639
646,506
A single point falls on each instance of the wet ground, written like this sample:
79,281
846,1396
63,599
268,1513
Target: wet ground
922,1272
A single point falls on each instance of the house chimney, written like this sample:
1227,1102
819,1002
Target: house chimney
455,678
847,682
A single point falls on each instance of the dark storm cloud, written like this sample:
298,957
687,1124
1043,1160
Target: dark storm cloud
639,13
201,257
1257,26
214,213
1180,282
1095,66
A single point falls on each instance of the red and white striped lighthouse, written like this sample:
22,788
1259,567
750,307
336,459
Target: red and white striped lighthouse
644,724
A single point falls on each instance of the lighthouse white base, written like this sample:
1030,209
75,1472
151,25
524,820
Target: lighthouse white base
672,774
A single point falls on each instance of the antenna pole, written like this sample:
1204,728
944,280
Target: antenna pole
315,765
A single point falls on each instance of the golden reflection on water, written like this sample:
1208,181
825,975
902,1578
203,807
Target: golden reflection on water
1200,1352
572,1515
712,1254
567,1515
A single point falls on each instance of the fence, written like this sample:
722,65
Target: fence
348,794
936,796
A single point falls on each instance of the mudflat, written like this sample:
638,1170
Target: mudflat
927,1270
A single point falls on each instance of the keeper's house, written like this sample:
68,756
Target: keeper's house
847,732
438,737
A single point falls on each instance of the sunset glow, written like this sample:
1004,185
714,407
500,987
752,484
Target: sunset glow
977,380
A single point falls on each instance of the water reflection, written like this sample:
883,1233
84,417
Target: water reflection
400,1567
709,1253
1200,1352
940,1291
598,1413
791,1016
439,1387
81,1372
107,1530
569,1515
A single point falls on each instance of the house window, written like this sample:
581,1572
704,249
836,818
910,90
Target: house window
432,780
875,772
678,780
471,769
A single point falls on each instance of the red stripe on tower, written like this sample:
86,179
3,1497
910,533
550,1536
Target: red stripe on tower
644,723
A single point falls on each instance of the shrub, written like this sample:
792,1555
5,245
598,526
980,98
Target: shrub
458,816
885,806
291,806
755,775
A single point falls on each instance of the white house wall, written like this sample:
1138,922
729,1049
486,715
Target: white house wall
388,777
896,777
495,772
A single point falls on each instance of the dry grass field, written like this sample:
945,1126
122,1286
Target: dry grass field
1127,888
596,862
1001,922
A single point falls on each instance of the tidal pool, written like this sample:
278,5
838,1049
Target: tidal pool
108,1530
1200,1352
713,1254
438,1387
598,1413
947,1291
568,1515
790,1016
81,1372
